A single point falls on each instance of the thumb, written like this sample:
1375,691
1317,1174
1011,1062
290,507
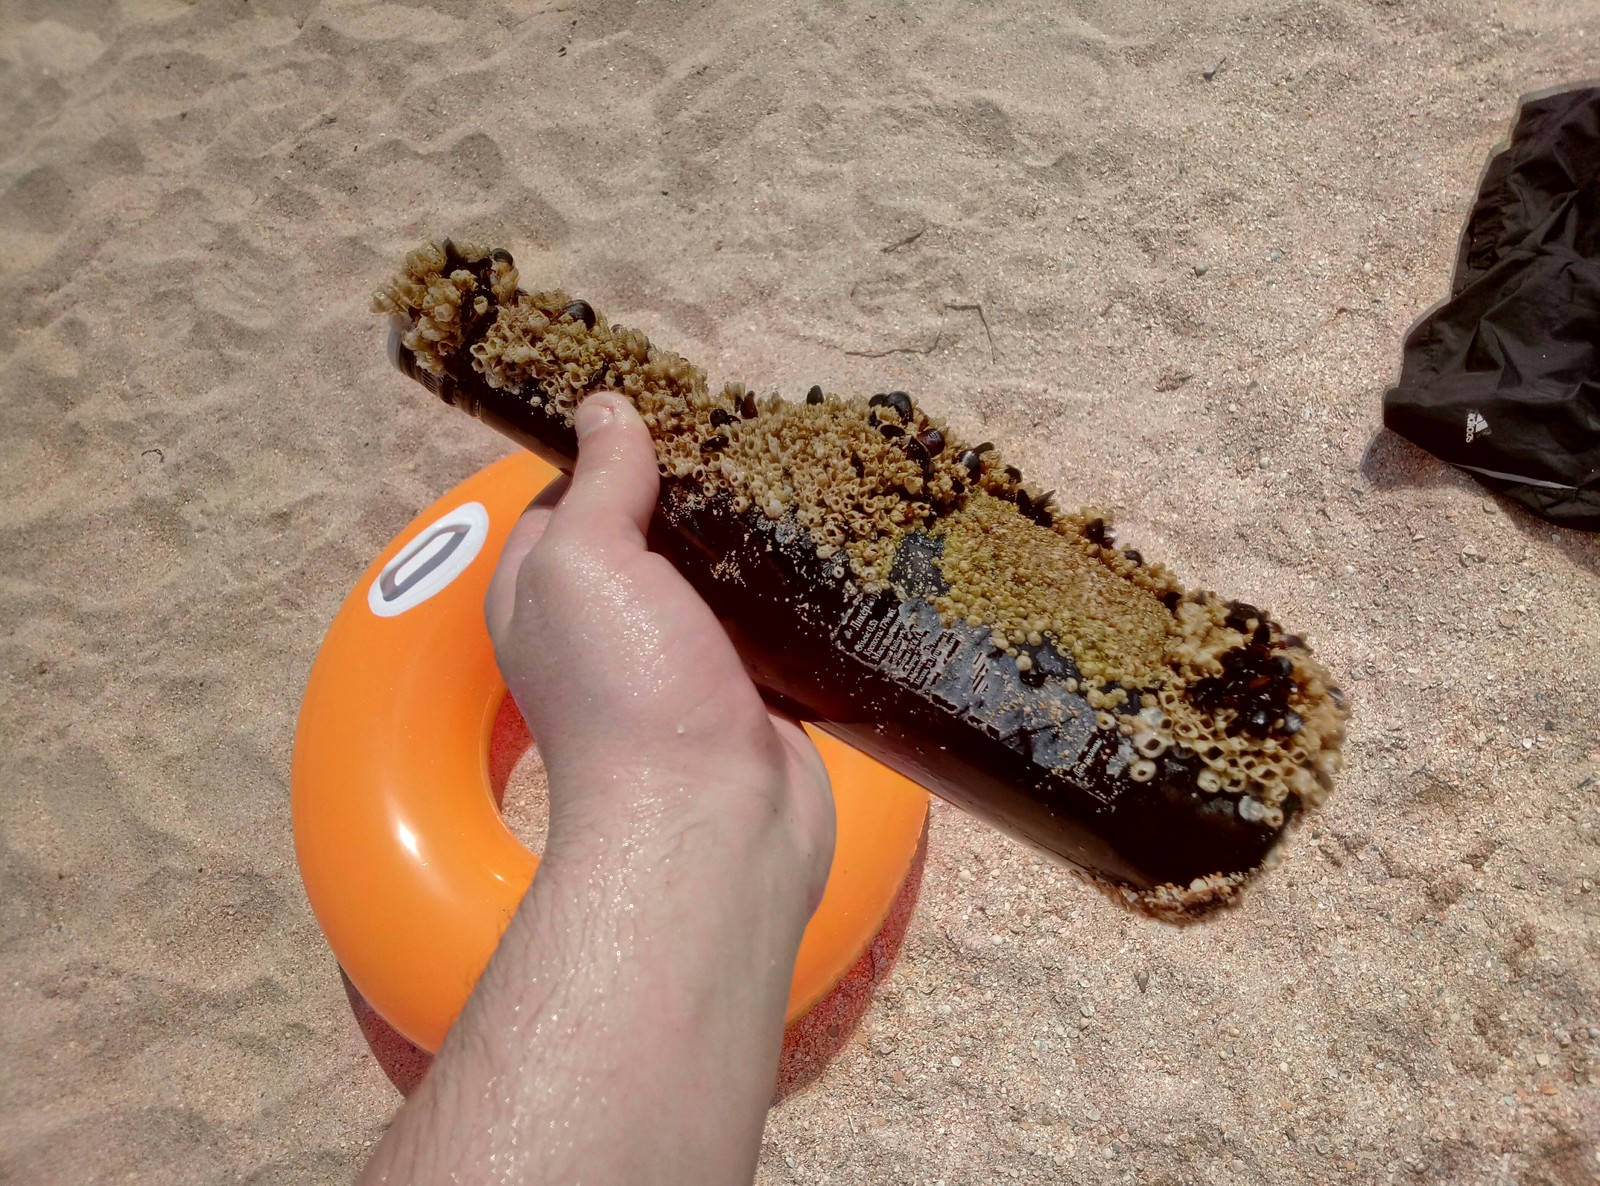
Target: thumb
615,483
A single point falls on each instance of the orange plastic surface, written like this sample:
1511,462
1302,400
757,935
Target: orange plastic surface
407,864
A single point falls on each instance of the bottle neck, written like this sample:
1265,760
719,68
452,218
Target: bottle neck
510,413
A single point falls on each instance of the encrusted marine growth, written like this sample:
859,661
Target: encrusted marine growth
1171,670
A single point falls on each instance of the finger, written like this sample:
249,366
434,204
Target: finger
816,811
800,746
615,483
500,600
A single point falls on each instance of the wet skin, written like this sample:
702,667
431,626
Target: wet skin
628,1027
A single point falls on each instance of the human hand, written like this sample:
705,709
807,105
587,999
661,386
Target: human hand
646,719
628,1027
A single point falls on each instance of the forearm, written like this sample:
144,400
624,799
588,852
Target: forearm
628,1027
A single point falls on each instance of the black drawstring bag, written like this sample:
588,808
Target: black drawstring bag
1503,379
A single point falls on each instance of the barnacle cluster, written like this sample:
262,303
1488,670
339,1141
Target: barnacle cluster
1171,669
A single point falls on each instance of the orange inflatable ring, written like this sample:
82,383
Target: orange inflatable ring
407,864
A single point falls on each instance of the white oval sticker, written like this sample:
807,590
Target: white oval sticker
437,555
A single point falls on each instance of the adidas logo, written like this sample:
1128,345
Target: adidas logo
1477,426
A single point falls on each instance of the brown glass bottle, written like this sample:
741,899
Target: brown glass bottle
1014,743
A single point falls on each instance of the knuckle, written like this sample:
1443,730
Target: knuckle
556,554
560,565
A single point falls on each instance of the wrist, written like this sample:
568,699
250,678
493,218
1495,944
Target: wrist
625,810
697,895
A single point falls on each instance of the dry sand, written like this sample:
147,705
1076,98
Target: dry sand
1000,208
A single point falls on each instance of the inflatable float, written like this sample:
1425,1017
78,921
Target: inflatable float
408,865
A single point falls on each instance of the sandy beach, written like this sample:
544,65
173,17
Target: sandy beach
1164,253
